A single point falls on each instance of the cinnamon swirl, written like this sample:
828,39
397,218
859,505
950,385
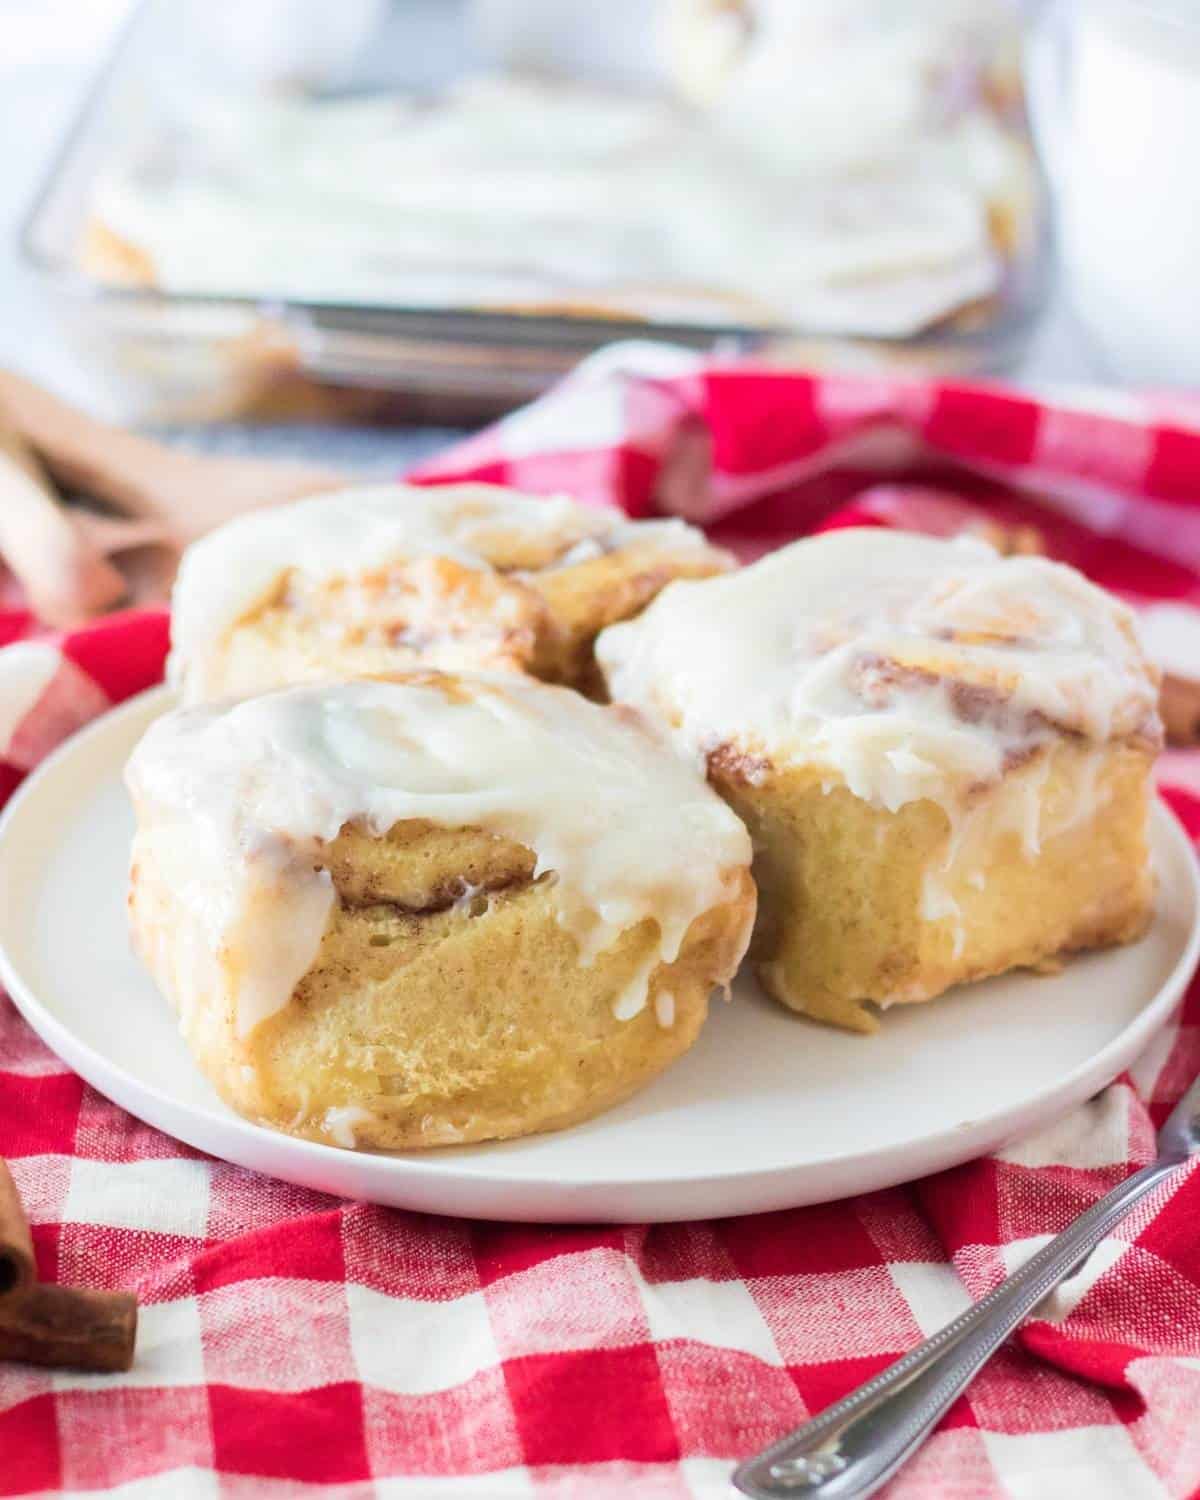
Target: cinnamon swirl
431,909
455,577
943,757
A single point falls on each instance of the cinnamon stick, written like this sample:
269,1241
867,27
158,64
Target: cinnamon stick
64,1327
17,1270
58,1326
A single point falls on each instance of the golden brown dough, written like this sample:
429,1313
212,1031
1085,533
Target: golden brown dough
416,981
944,758
431,1018
842,884
458,577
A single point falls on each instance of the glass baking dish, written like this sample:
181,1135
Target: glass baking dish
188,355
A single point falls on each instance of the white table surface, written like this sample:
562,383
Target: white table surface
51,47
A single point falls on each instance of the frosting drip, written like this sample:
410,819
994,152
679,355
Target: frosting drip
249,793
241,565
910,667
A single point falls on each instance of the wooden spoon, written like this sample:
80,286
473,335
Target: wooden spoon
190,492
64,573
164,498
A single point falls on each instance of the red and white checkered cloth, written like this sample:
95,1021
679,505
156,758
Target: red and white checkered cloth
296,1346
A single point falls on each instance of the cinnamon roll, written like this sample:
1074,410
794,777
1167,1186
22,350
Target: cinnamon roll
431,909
943,757
454,577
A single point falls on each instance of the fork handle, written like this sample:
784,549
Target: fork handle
855,1445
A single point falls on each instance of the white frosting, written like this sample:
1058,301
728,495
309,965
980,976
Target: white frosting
226,574
1018,806
1171,636
242,794
712,41
909,666
514,192
341,1124
884,68
876,75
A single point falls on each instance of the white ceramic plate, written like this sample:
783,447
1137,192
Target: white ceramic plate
767,1111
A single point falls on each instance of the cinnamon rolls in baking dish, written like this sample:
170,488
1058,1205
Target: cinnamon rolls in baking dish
455,577
432,909
943,757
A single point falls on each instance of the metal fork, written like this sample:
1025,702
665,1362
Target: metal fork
857,1444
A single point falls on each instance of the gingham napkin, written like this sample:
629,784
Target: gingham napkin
296,1346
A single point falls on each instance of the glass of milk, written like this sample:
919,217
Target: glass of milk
1115,92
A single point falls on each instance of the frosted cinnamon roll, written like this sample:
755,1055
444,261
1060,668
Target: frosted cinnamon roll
943,757
433,909
455,577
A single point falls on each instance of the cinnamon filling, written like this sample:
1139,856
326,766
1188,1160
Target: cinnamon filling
441,898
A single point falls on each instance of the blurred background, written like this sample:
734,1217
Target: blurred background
413,214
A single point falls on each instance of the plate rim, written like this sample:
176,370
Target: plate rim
155,1106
